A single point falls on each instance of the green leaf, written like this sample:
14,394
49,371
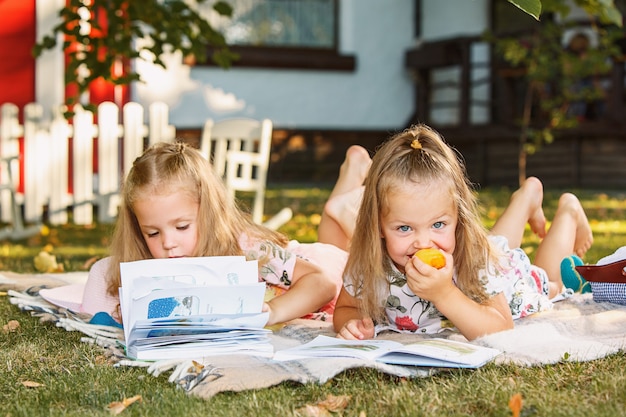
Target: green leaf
532,7
168,26
223,8
610,14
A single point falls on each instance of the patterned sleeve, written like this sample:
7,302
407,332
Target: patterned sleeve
349,287
276,264
495,277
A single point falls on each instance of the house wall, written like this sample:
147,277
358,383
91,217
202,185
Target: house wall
377,95
442,19
49,70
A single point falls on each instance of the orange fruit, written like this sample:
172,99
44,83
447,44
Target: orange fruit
432,257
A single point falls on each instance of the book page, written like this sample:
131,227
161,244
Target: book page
193,301
154,288
425,352
440,352
325,346
208,327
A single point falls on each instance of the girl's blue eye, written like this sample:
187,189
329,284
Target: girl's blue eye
438,225
404,228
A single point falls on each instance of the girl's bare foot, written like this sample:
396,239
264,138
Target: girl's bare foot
353,170
537,223
344,209
340,211
536,219
584,235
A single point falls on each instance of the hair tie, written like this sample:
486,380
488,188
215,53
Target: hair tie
180,147
415,144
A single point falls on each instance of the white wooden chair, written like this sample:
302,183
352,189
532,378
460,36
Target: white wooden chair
11,215
239,150
17,229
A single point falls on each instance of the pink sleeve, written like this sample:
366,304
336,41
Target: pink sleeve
95,297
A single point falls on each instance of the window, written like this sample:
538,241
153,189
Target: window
284,34
282,23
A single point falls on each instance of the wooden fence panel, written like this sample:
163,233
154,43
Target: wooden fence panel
109,169
82,160
10,130
134,133
36,190
59,172
60,198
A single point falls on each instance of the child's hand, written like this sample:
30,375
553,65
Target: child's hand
427,281
267,308
357,329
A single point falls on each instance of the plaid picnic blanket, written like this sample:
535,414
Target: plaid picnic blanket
576,329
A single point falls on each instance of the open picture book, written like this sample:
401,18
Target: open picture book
192,308
433,352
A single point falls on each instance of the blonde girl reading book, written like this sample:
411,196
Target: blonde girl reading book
416,195
173,205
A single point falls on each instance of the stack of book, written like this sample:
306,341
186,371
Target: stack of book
193,308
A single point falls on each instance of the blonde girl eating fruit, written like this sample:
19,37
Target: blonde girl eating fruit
416,195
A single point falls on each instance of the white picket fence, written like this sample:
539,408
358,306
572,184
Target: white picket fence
45,183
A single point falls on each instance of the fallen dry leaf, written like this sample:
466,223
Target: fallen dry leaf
332,403
117,407
32,384
313,411
197,367
11,326
101,359
515,404
335,402
46,262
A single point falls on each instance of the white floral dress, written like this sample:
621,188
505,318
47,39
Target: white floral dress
524,285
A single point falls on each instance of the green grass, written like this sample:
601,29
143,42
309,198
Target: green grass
77,380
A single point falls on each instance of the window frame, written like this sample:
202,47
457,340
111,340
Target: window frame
302,58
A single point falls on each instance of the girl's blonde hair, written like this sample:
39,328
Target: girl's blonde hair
165,168
418,154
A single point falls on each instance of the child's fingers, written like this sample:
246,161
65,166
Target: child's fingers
367,328
346,334
357,330
426,281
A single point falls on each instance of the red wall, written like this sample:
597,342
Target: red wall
17,65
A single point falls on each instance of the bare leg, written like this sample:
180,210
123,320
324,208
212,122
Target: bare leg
569,233
339,218
340,211
353,170
524,207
